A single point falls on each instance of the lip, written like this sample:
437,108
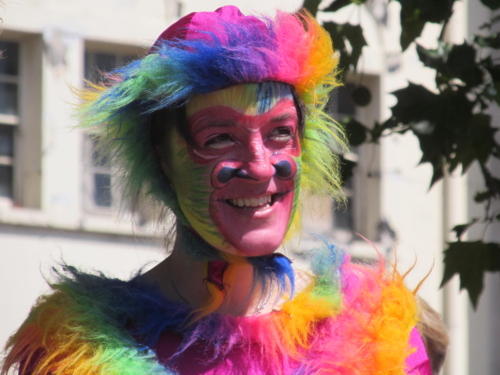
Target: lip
271,196
254,209
251,231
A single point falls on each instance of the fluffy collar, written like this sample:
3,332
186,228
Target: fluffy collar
350,320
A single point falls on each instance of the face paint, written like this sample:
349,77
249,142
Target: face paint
237,183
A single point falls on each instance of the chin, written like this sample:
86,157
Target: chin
252,230
255,244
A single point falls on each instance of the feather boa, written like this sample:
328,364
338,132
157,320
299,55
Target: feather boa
350,320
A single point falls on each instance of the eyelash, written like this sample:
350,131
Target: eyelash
284,133
218,141
281,134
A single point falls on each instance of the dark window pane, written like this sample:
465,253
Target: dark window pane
9,58
344,217
6,140
128,59
102,190
99,159
105,61
6,181
98,63
8,98
87,65
346,105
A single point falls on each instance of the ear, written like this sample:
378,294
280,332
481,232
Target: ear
161,155
162,158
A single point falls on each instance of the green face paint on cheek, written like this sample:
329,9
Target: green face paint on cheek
191,183
238,183
296,192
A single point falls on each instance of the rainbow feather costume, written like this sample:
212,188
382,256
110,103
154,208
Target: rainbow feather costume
350,320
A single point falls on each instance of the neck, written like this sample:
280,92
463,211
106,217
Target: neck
183,279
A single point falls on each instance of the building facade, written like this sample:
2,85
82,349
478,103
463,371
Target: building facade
58,201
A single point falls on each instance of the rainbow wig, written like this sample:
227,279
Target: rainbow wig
205,52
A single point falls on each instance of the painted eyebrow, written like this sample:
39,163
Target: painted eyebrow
283,117
213,123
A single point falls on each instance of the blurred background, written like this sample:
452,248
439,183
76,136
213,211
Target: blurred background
59,203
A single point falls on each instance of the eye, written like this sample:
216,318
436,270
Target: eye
219,141
281,134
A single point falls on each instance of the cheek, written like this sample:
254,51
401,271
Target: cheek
284,165
191,181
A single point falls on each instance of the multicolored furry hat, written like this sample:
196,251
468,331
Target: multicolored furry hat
201,53
204,52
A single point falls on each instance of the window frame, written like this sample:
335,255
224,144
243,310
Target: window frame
364,193
123,55
11,121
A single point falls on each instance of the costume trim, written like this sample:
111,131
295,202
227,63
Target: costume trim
351,320
226,49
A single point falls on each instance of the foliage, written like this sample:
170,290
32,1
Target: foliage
452,123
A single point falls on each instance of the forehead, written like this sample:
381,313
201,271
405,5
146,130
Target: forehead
251,99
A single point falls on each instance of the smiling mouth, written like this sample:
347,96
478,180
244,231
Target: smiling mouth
261,202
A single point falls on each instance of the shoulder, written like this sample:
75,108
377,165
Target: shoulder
80,328
373,328
379,300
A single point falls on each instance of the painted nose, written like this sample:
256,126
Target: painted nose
284,165
256,159
260,170
253,172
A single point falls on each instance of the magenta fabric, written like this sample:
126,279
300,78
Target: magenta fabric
192,361
418,362
187,28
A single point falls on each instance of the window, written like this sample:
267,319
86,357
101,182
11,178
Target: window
362,214
9,119
341,105
99,184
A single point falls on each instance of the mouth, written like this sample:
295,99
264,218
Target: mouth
254,203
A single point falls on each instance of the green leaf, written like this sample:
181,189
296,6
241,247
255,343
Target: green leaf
343,34
379,128
361,96
336,5
482,196
491,41
432,58
415,13
497,92
356,131
354,34
346,168
415,104
462,228
312,6
410,31
461,64
482,137
470,260
492,4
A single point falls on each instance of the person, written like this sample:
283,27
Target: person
224,123
434,335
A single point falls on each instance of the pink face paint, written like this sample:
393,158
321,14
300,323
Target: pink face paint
246,159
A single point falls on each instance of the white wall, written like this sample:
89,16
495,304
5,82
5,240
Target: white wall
27,256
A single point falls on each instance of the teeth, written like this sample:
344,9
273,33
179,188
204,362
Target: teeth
251,202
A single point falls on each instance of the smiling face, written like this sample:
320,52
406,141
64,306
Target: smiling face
237,179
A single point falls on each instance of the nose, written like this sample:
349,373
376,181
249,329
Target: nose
257,164
284,166
253,163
